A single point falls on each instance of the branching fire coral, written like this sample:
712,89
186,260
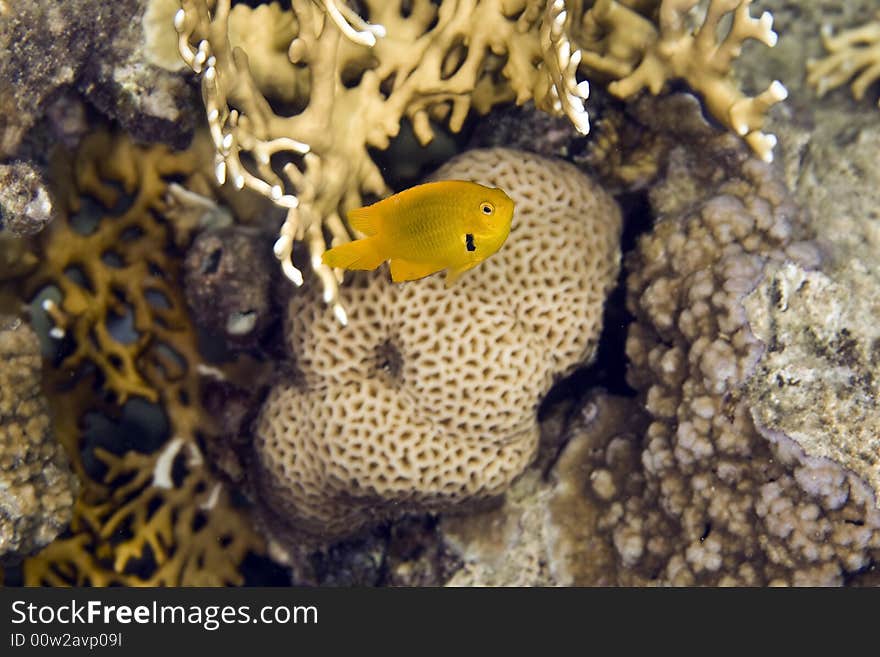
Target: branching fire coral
431,64
853,55
647,44
145,515
352,79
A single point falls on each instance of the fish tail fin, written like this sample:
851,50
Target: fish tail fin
365,220
360,254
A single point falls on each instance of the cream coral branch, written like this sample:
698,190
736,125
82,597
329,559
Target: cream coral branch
629,47
566,94
351,25
853,55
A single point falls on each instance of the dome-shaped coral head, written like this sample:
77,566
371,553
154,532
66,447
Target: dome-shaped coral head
449,224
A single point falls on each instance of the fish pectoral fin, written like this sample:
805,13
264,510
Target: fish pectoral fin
404,270
453,273
364,220
360,254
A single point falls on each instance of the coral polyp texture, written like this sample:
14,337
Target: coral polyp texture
853,56
293,115
427,399
37,485
25,202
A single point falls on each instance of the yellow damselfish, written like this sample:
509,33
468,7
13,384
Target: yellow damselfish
450,224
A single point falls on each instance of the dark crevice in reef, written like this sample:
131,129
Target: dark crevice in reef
869,576
608,371
259,570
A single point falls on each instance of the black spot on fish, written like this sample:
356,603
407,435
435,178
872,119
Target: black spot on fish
469,242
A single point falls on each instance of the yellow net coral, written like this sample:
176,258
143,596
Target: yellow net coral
145,516
113,264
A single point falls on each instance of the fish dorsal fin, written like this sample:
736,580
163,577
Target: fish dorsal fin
404,270
365,220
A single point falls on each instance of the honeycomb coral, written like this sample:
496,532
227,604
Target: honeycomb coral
427,399
37,487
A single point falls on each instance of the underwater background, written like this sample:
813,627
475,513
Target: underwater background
664,376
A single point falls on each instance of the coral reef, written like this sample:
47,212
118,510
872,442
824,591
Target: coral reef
854,55
697,493
827,317
719,503
427,399
151,511
37,487
430,64
746,450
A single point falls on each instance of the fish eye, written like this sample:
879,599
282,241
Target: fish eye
487,208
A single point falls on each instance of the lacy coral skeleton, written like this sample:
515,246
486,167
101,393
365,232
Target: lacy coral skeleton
144,516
